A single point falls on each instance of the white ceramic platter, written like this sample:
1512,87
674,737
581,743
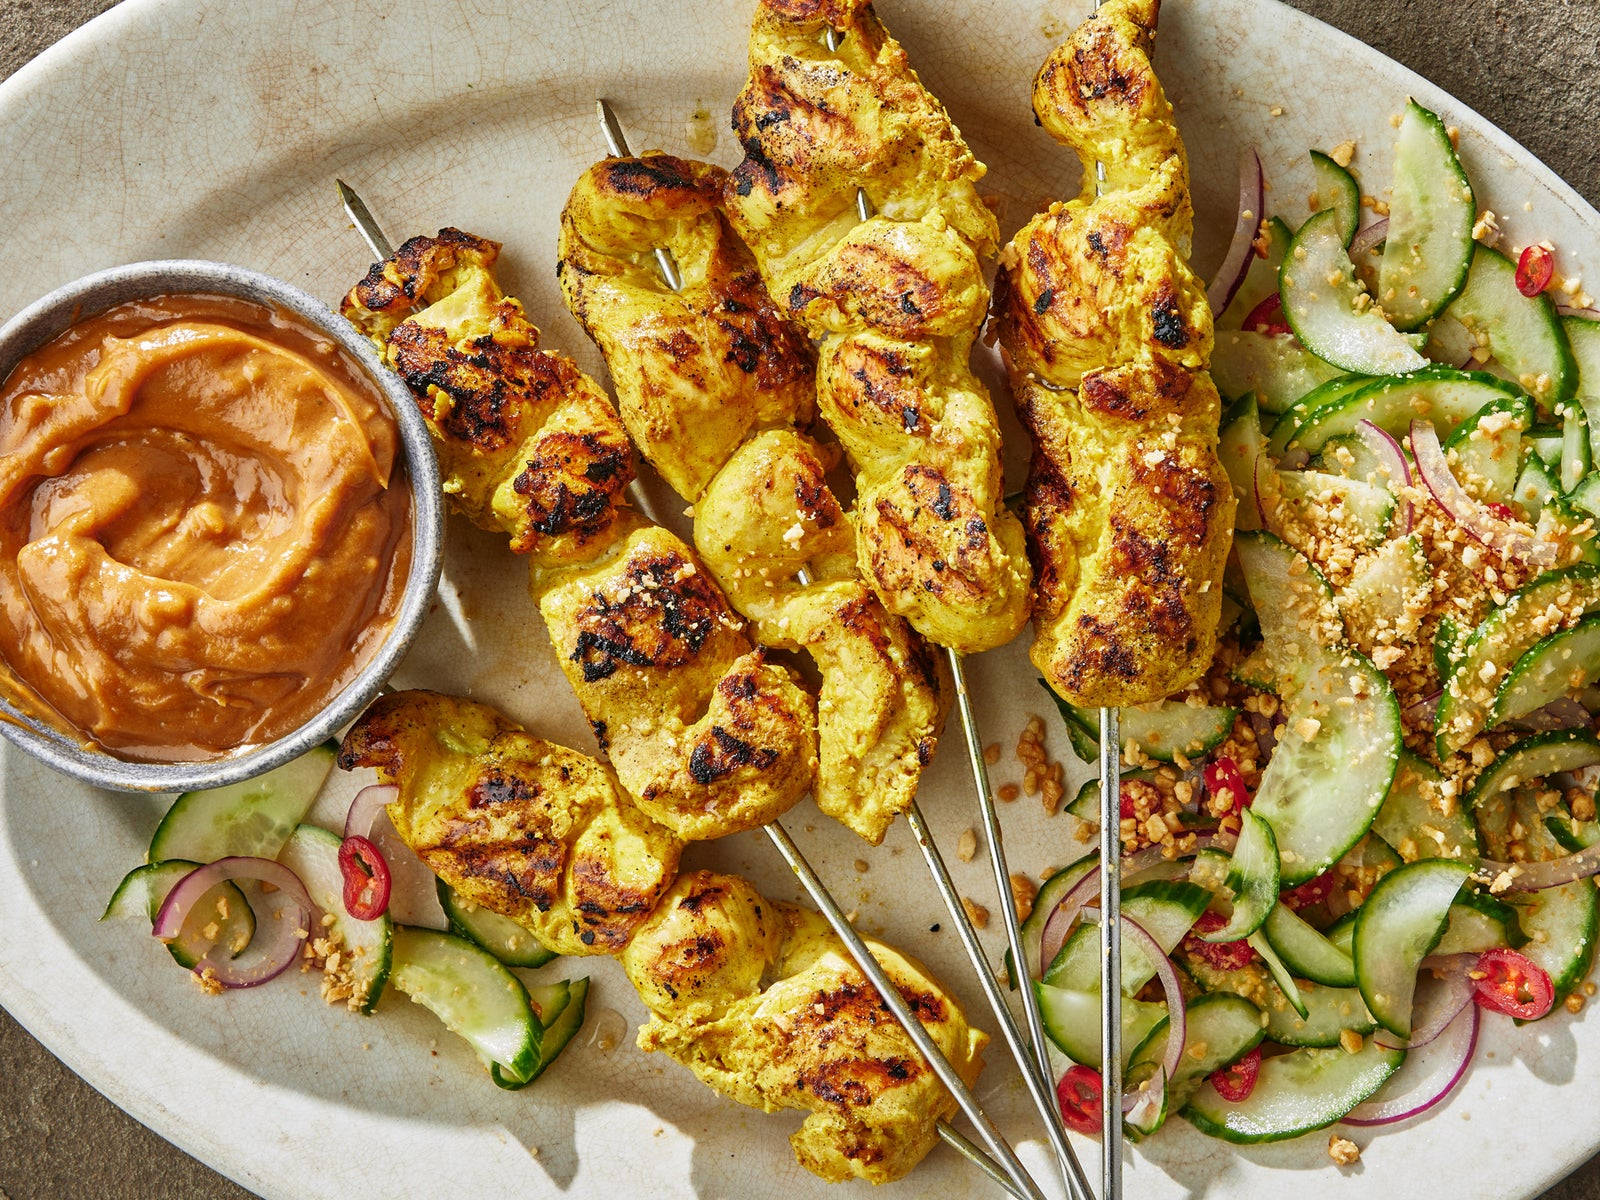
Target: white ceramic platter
174,128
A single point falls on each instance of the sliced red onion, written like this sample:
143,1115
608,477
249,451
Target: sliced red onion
1266,734
1369,238
279,935
1588,314
1269,493
1509,538
366,806
1441,995
1177,1018
1537,876
1433,1074
1561,713
1420,714
1388,452
1246,228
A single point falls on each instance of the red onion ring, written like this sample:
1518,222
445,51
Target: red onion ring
1561,713
277,941
1383,445
1588,314
1446,1059
364,809
1537,876
1368,238
1177,1017
1420,714
1441,998
1472,515
1247,226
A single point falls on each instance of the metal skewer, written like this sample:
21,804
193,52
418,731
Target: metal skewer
1009,1171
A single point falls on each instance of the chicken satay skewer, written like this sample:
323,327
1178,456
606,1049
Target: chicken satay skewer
1042,1093
1010,1172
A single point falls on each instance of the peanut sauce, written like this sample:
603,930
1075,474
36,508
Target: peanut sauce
204,529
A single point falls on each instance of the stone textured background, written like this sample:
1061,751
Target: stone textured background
1531,66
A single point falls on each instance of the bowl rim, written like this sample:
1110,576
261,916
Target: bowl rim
51,315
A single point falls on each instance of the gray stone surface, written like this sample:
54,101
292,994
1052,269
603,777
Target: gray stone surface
1528,65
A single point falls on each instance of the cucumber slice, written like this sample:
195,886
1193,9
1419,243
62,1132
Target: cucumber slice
1305,951
222,915
1583,337
367,947
1337,754
1558,665
253,818
560,1008
1399,925
1238,447
1534,758
1252,883
1342,933
1164,730
1071,1020
1488,445
1164,909
1273,366
1296,1093
1585,496
1560,925
1351,457
1085,743
1086,804
1449,642
1443,395
1387,590
1261,280
1523,333
1044,903
500,936
1330,393
1412,821
1429,246
1279,972
1576,456
1329,1011
1478,923
1505,635
1546,443
1572,834
1336,192
1536,486
1221,1028
1330,311
1364,511
473,994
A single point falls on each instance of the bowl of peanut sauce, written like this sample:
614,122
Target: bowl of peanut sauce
220,525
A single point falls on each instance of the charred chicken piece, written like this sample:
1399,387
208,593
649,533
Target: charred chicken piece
528,829
1108,335
762,1002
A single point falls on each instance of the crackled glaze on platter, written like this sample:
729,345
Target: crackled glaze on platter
170,128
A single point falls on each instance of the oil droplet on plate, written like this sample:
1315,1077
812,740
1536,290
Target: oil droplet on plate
609,1029
700,132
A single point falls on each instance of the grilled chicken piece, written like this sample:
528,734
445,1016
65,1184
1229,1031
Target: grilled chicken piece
896,299
708,737
528,829
762,1002
526,442
1108,335
699,370
884,697
696,370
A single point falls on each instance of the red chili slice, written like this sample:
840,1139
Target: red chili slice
1535,269
1234,1083
366,878
1267,317
1225,773
1078,1095
1309,893
1509,982
1224,956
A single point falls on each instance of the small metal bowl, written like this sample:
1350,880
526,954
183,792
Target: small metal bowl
46,319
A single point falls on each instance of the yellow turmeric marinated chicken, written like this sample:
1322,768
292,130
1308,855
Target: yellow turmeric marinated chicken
710,378
696,369
762,1002
707,735
896,300
528,829
1108,335
885,696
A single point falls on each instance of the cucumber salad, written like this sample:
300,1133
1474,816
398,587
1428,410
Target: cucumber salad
240,887
1373,821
